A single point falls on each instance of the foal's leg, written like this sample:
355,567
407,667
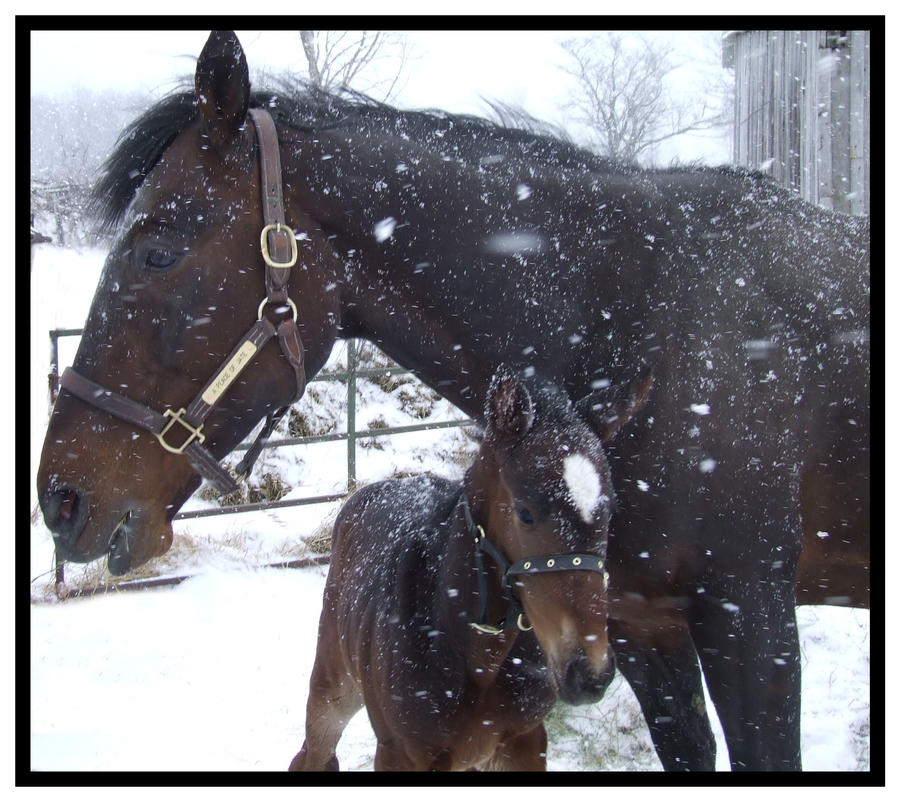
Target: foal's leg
391,756
334,699
526,752
665,677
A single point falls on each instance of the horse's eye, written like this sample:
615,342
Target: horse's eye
525,515
155,257
159,259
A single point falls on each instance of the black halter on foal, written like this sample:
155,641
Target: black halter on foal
279,252
545,564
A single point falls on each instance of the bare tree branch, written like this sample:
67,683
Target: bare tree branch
308,40
622,98
368,61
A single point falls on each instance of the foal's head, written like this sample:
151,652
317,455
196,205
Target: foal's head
542,490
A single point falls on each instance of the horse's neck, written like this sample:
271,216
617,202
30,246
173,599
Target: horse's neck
428,300
427,336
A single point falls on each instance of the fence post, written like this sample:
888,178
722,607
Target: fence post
351,415
53,376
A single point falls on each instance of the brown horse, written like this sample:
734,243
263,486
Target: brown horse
456,245
446,689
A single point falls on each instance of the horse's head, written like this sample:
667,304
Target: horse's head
543,486
184,284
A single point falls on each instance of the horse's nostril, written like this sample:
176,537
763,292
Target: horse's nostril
67,503
63,512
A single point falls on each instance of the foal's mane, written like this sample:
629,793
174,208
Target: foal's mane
468,139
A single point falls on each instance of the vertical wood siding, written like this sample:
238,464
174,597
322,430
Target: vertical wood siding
802,112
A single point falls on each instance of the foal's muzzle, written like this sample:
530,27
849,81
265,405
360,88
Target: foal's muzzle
581,684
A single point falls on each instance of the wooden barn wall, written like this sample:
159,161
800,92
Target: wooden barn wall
802,112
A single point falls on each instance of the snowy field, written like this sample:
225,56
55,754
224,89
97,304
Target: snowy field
212,675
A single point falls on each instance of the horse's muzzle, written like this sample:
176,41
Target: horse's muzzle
65,510
581,684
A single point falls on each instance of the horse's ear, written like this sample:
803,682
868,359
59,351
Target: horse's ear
222,86
509,410
606,411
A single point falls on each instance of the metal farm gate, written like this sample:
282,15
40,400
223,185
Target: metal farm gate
351,436
801,114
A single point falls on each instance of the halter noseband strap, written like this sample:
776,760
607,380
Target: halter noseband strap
279,250
546,564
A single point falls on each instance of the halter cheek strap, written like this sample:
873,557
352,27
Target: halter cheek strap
181,431
276,240
548,563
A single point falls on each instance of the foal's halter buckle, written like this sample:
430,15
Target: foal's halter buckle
481,626
548,563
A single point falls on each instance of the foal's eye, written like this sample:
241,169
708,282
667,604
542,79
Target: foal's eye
525,515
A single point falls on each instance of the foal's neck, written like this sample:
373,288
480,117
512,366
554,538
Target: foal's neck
485,652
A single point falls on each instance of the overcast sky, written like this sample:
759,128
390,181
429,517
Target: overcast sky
452,70
446,64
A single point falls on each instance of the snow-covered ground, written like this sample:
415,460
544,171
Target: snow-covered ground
212,675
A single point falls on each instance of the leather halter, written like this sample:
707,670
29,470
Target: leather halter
528,566
279,252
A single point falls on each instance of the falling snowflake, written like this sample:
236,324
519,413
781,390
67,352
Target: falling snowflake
385,228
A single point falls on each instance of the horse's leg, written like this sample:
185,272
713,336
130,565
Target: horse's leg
334,699
525,752
834,490
835,504
664,674
749,649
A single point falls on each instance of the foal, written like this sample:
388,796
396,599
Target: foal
458,612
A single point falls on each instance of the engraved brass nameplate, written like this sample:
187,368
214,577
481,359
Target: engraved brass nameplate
229,373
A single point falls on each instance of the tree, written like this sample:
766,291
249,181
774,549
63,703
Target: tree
622,97
71,135
368,61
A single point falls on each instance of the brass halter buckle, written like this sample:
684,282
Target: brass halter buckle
177,418
264,245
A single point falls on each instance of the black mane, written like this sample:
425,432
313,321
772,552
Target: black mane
137,151
468,139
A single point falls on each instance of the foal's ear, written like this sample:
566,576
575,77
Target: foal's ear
222,86
606,411
509,410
